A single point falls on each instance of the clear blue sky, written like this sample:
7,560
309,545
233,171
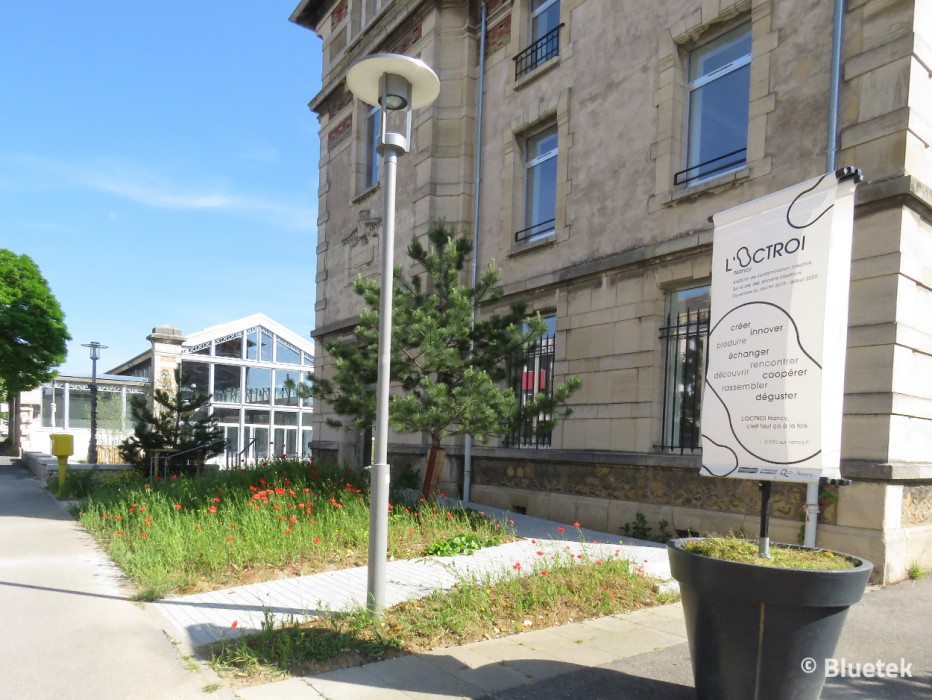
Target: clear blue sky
159,163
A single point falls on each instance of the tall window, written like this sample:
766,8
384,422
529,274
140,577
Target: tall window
544,35
373,133
684,337
531,375
540,190
719,92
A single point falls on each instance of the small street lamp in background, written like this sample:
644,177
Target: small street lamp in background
393,83
95,355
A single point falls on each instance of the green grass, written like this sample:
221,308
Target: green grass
228,528
915,571
747,552
555,591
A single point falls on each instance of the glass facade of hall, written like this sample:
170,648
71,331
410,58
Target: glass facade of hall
66,404
252,378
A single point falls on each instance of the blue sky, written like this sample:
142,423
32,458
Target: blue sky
159,163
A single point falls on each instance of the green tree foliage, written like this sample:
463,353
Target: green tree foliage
450,374
32,326
179,422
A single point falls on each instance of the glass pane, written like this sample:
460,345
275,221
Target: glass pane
261,449
286,418
257,417
306,359
231,434
265,346
53,404
545,17
110,410
286,383
252,344
258,385
205,350
720,52
196,375
284,354
718,119
685,300
307,435
232,347
373,134
541,195
79,407
227,384
542,143
291,443
226,415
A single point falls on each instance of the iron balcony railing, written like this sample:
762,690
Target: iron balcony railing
684,372
535,231
696,172
539,52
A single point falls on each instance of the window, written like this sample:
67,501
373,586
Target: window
531,373
230,346
370,8
227,384
373,134
544,35
258,385
286,387
684,336
719,80
540,185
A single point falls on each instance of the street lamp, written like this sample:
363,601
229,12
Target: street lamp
394,83
95,348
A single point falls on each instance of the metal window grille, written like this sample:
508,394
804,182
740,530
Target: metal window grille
530,372
685,339
539,52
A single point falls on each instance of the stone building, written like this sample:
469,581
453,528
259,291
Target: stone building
606,136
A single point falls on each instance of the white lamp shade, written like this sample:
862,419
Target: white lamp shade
362,79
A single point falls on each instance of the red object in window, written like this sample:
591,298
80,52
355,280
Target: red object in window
527,380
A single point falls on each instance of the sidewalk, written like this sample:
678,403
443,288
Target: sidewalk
73,632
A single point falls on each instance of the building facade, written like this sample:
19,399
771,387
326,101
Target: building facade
585,144
250,367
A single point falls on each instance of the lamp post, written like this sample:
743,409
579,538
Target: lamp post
393,83
95,349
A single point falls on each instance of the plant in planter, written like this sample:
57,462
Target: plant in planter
762,622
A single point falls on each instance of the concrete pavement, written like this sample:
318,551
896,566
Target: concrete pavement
72,630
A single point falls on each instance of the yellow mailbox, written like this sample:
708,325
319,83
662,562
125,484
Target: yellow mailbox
62,444
63,448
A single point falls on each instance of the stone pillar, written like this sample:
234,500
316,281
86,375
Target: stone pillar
166,357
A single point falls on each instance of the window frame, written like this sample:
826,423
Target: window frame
536,363
532,165
695,87
372,160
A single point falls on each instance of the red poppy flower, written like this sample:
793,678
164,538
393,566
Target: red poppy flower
576,524
560,529
316,540
177,506
230,538
235,623
213,509
517,565
143,535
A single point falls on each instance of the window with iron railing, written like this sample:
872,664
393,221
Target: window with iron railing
531,374
540,184
684,337
719,80
544,35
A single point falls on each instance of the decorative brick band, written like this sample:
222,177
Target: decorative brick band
339,133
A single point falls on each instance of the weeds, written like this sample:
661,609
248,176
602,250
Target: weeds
915,571
640,530
288,518
555,591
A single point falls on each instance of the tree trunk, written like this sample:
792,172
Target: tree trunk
435,460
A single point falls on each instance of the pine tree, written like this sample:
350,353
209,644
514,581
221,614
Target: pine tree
449,374
178,423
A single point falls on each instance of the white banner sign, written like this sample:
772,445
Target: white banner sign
774,384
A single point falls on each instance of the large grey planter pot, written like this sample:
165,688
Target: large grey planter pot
751,628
